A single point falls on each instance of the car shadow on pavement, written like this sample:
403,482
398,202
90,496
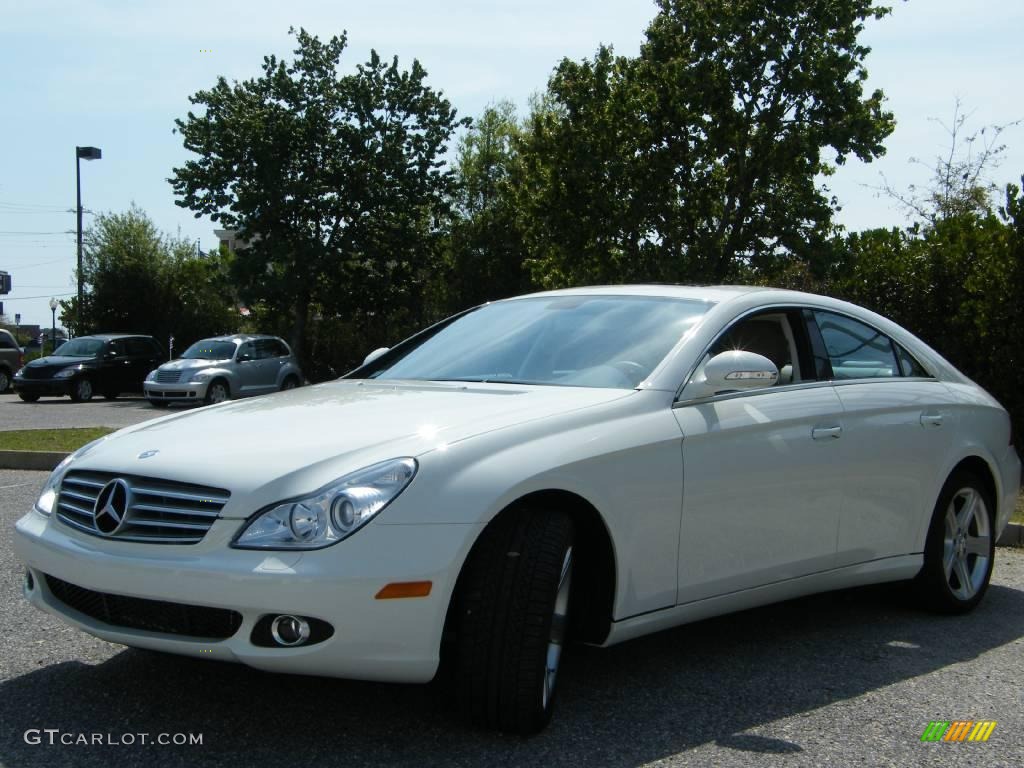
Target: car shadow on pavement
623,706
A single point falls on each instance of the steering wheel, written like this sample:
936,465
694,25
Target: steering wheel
631,370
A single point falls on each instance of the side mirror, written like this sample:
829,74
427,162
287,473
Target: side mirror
375,354
733,371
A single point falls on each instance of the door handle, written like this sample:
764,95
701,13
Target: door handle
824,433
931,419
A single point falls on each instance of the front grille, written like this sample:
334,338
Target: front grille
168,377
156,511
151,615
39,371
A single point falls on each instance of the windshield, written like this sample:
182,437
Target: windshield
581,341
80,348
208,349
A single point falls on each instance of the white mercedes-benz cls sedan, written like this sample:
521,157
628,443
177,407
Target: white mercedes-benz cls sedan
591,464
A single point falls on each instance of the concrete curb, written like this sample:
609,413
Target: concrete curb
31,460
1013,536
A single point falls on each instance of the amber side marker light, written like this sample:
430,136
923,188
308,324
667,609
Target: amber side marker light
404,589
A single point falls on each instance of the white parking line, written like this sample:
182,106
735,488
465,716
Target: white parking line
16,485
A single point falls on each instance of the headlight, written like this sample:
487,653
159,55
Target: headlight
330,514
199,375
151,376
67,373
44,504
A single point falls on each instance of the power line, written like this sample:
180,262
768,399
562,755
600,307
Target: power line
44,296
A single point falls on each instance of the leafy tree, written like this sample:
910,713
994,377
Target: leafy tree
699,157
335,181
138,280
485,244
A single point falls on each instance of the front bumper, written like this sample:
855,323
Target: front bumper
387,640
189,391
43,387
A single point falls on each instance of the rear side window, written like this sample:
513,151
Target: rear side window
140,347
909,363
856,350
6,342
119,347
280,350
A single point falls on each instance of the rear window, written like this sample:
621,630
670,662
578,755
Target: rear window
856,350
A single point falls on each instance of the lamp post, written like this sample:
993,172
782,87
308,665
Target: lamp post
53,330
81,153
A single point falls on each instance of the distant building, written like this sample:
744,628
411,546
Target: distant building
227,238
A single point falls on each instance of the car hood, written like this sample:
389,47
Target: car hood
189,365
328,429
58,361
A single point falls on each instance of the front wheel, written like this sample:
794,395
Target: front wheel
27,397
511,617
217,392
960,548
5,381
81,391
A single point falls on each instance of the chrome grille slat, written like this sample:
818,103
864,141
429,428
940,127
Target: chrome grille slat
158,512
168,377
200,499
175,510
80,496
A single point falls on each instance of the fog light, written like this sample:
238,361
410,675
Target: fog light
30,583
289,630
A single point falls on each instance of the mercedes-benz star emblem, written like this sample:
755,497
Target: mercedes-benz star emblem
111,507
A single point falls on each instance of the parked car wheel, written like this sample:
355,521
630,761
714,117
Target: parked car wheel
82,391
5,381
290,382
110,395
959,551
217,392
27,397
511,621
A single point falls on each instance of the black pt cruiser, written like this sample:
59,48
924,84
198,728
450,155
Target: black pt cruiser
106,364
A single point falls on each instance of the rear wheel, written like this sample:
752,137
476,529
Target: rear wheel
81,391
290,382
110,395
959,551
5,381
511,618
28,398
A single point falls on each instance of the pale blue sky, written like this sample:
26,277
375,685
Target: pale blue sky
116,74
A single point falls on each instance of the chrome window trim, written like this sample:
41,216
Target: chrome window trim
795,387
785,306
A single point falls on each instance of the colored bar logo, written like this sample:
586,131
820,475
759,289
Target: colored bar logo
958,730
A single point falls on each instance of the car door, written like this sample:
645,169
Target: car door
248,366
269,364
762,487
140,356
895,426
115,369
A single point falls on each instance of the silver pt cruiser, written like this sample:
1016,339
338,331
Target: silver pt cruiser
225,367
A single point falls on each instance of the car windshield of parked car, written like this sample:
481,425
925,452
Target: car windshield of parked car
582,341
81,348
210,350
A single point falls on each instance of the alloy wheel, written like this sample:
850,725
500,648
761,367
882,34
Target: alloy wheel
556,638
967,543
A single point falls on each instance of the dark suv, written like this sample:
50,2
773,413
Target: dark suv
10,359
107,364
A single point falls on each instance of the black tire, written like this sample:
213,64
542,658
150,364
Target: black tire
290,382
110,395
82,390
27,397
159,403
5,380
211,392
504,620
942,591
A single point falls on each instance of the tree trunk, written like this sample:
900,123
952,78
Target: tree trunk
299,323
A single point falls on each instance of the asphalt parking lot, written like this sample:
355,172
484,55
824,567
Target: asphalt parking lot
61,412
845,679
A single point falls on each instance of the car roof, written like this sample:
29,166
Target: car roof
710,293
112,336
240,337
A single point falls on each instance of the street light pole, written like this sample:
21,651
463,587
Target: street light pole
53,329
86,153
